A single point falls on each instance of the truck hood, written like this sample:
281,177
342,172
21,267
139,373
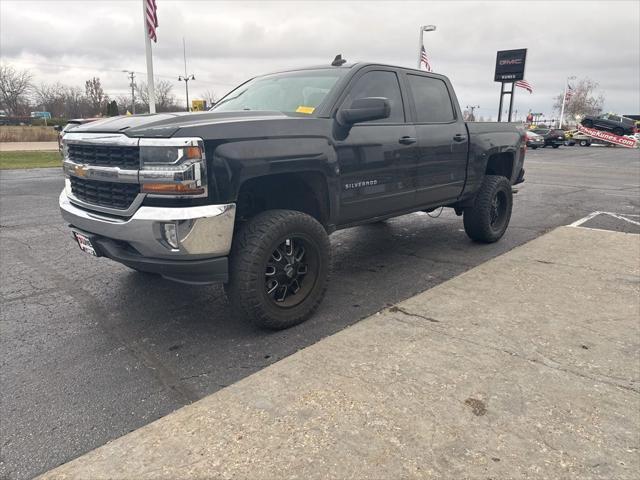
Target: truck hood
167,124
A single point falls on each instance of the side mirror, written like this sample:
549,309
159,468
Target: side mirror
57,128
363,110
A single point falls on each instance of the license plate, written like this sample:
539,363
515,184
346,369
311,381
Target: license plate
84,243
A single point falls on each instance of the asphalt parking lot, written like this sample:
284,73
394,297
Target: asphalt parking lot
92,350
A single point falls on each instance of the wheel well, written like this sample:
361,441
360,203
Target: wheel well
500,164
304,192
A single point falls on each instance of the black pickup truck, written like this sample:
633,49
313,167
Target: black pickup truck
248,192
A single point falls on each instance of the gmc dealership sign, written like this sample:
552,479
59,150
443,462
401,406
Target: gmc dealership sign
510,65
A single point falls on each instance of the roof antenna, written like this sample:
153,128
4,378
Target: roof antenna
338,61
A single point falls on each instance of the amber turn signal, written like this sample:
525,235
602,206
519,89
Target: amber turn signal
193,152
171,189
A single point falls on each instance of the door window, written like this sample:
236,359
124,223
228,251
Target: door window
379,84
432,100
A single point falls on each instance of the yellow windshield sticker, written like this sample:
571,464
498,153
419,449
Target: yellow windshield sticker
303,109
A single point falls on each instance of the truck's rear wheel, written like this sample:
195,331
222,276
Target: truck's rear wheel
279,266
488,218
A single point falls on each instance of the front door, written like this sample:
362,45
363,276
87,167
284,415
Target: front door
377,158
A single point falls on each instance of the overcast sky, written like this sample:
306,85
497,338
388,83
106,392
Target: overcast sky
228,42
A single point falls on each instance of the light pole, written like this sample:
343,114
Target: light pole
472,117
185,78
423,28
132,77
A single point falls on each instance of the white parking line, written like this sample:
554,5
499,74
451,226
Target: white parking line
619,216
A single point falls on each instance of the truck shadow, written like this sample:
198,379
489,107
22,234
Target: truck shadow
375,266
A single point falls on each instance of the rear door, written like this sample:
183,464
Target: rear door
443,142
377,158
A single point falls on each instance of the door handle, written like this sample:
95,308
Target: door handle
407,140
459,137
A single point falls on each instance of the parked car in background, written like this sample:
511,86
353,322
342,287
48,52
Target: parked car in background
552,137
534,140
609,122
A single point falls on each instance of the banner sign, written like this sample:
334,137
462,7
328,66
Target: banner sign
608,137
510,65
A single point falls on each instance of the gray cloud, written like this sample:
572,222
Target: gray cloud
227,42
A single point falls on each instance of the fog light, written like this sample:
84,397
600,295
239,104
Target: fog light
170,234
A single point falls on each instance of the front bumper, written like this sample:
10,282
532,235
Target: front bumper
204,234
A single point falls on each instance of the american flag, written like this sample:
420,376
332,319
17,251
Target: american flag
524,84
569,94
151,18
424,60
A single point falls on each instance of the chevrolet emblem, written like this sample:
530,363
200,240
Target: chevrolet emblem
80,170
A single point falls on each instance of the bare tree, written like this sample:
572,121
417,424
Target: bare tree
584,100
165,99
76,104
50,97
95,95
210,97
14,87
124,104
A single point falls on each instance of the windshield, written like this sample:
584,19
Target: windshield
541,131
300,91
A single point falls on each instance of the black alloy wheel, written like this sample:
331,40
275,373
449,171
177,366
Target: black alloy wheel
291,271
488,218
279,267
498,211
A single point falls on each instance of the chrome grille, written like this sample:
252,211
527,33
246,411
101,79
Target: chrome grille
126,157
104,194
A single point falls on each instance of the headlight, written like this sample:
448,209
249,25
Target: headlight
173,166
65,148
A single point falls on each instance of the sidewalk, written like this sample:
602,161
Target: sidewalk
28,146
524,367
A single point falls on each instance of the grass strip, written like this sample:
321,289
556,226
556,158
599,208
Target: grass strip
16,160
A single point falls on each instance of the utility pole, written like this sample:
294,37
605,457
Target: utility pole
472,108
132,77
186,77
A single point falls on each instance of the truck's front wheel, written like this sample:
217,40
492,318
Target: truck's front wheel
279,266
488,218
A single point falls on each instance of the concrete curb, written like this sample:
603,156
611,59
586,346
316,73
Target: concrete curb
523,367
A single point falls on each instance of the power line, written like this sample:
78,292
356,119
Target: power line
98,69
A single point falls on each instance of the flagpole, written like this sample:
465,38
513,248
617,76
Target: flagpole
147,41
564,98
420,45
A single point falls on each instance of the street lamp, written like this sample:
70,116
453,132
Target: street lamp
423,28
186,79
